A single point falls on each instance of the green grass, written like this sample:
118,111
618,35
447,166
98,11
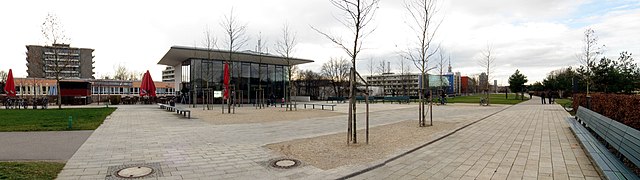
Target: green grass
493,99
562,101
30,170
52,119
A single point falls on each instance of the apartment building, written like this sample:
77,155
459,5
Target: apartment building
69,62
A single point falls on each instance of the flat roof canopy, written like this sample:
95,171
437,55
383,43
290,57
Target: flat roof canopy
177,54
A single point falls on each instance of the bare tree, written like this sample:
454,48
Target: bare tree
383,68
105,76
441,66
285,48
206,70
135,75
337,70
424,23
357,15
234,40
53,33
405,72
262,50
3,76
122,73
589,53
307,83
487,61
371,66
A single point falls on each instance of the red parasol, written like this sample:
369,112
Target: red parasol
143,85
226,81
147,87
151,86
10,86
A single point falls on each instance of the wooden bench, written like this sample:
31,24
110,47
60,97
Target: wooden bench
287,105
399,99
167,107
183,111
313,106
360,99
624,139
336,99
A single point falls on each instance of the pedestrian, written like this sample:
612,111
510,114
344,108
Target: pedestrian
443,97
550,96
272,99
542,95
530,95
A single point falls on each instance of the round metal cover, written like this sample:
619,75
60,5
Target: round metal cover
134,172
285,163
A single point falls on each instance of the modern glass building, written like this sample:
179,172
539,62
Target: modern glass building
199,72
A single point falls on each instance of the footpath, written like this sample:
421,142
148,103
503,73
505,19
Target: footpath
526,141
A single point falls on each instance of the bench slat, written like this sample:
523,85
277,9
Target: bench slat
631,146
610,166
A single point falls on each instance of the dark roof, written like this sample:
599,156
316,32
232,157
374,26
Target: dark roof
177,54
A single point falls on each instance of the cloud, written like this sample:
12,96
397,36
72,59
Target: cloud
532,36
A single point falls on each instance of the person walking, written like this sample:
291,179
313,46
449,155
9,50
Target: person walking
542,95
443,98
550,96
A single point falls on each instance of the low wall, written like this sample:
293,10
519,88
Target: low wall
301,98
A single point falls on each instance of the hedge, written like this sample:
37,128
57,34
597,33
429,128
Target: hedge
619,107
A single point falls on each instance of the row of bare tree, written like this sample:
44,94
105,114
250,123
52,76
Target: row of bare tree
357,16
424,21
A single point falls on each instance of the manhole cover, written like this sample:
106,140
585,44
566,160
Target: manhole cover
284,163
134,171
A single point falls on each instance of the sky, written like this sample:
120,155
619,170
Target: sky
535,37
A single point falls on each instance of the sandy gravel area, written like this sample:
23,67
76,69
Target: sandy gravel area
245,115
331,151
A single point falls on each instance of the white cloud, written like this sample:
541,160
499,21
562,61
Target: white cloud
533,36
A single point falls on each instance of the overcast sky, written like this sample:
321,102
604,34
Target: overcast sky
535,37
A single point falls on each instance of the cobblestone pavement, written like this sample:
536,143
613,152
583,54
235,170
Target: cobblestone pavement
526,141
193,149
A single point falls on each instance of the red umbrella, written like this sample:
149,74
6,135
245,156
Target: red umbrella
226,80
10,86
147,87
151,86
143,85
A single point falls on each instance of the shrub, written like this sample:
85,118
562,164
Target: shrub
619,107
115,99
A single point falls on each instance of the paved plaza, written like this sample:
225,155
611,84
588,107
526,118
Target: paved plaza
525,140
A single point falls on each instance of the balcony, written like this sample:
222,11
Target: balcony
63,65
62,59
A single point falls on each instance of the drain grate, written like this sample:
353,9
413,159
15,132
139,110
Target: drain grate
284,163
134,171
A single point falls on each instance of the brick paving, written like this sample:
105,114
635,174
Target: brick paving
524,141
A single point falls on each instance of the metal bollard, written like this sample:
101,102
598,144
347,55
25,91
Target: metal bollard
70,125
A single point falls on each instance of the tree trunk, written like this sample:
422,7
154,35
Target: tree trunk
59,92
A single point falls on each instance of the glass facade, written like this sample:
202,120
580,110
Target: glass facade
202,76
